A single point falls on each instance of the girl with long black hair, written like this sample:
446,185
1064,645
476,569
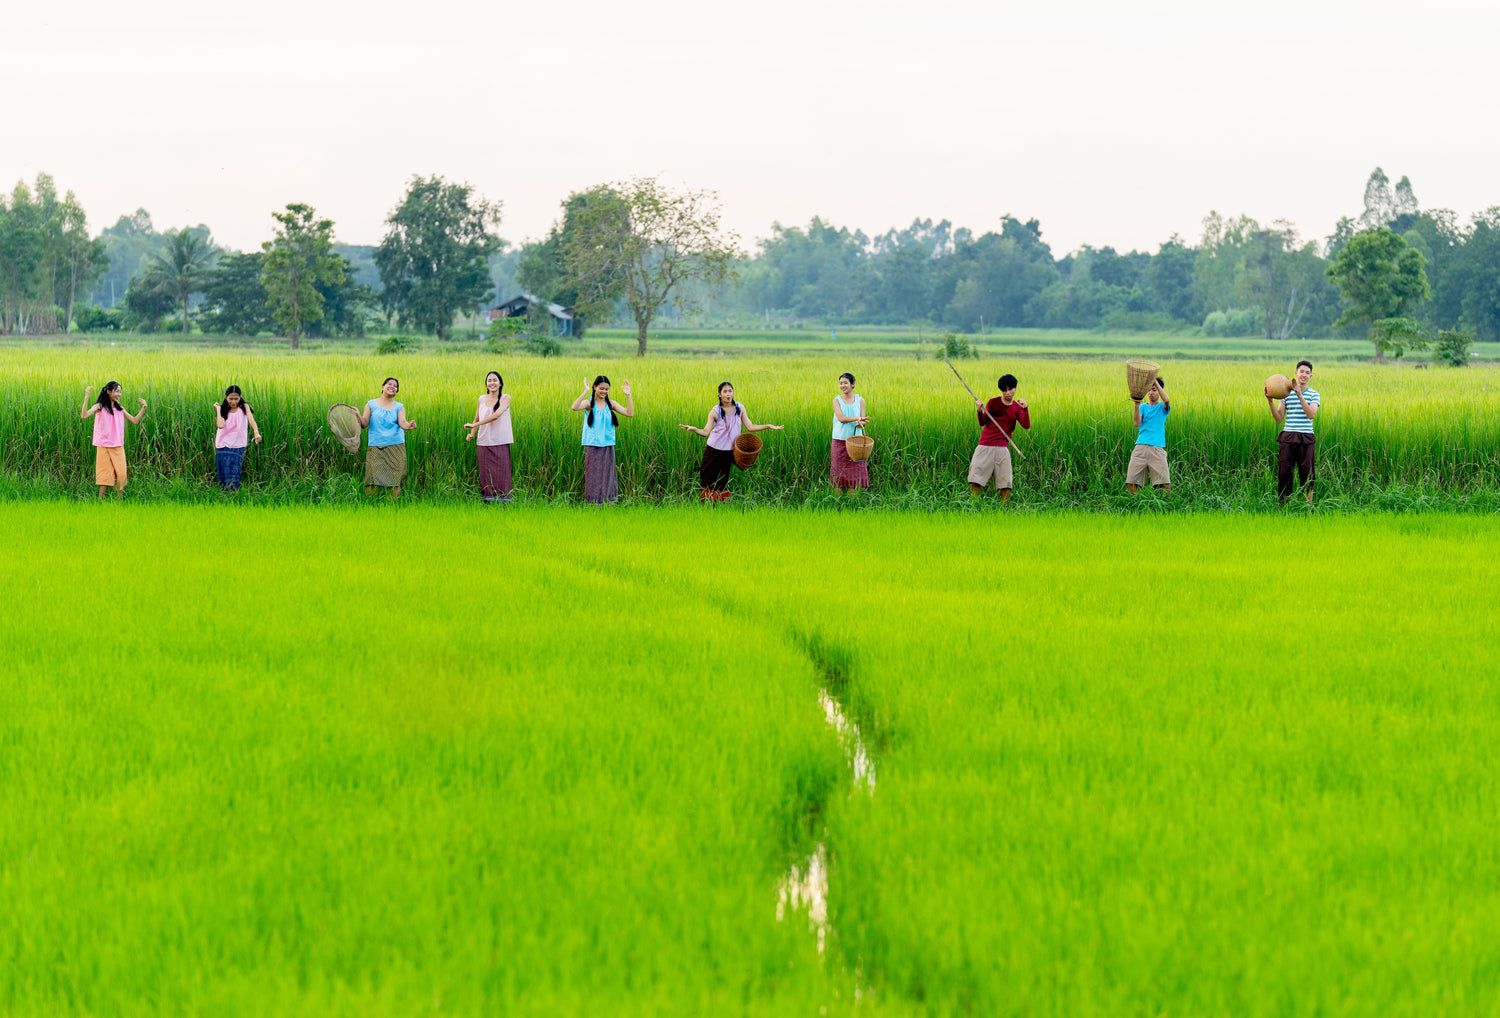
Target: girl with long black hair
727,420
234,419
490,432
601,481
109,435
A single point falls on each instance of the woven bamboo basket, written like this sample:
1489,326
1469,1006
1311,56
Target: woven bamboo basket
1139,375
1278,387
859,447
746,448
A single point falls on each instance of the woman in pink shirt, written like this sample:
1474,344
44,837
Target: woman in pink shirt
235,420
109,435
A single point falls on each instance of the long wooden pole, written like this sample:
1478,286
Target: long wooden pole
1010,436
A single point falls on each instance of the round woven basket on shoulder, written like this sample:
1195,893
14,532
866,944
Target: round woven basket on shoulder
1278,387
859,446
746,448
1139,375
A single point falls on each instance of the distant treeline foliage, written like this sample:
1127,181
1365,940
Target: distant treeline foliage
1241,277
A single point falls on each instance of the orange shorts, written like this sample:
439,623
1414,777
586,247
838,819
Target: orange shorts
109,465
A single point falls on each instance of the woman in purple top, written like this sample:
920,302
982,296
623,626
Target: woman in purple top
109,435
726,421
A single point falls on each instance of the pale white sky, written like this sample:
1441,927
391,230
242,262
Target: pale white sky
1111,122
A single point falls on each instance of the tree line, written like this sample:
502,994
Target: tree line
637,251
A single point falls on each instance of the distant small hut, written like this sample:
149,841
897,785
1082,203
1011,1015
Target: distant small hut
565,322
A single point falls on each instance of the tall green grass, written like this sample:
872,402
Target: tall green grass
1430,431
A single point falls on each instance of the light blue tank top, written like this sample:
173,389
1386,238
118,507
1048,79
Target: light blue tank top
603,431
384,426
840,428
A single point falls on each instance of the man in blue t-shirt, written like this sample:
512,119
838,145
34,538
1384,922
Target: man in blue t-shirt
1149,458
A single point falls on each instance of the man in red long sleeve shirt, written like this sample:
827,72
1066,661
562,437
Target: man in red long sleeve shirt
991,459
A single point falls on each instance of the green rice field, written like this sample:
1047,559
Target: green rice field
1387,437
433,757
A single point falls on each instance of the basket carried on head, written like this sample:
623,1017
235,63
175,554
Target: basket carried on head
746,448
1139,375
859,446
1278,387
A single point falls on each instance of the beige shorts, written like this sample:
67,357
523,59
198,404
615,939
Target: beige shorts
109,465
1148,460
991,461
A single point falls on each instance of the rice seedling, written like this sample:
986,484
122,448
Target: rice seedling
386,758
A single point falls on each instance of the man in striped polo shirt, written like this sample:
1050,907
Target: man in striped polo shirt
1295,444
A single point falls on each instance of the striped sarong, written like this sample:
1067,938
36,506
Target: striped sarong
600,481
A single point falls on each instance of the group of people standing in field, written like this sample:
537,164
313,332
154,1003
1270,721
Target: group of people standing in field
491,432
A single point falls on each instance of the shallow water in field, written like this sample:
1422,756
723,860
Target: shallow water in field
805,886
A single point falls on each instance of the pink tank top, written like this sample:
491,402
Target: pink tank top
232,434
109,429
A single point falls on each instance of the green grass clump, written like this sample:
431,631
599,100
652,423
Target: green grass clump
400,757
1374,435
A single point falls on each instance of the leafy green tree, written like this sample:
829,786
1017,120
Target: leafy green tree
181,268
1380,277
1467,291
433,259
234,297
541,269
344,305
1282,279
148,299
297,259
640,241
1169,278
1399,336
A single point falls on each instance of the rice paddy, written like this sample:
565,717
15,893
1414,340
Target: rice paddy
384,759
1385,433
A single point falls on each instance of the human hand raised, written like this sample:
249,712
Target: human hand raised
625,388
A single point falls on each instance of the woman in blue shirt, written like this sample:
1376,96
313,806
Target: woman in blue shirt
600,480
385,457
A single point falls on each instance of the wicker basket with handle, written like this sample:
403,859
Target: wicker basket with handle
746,448
859,446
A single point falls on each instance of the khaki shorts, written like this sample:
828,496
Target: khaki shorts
1148,460
109,465
988,461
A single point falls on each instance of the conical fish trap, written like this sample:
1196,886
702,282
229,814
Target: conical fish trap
1139,375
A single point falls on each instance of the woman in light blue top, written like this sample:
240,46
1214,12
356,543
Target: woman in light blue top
848,414
600,479
385,457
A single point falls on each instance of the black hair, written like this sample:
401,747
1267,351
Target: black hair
1308,363
848,376
1161,381
392,378
719,406
106,402
235,389
614,418
498,392
1007,382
